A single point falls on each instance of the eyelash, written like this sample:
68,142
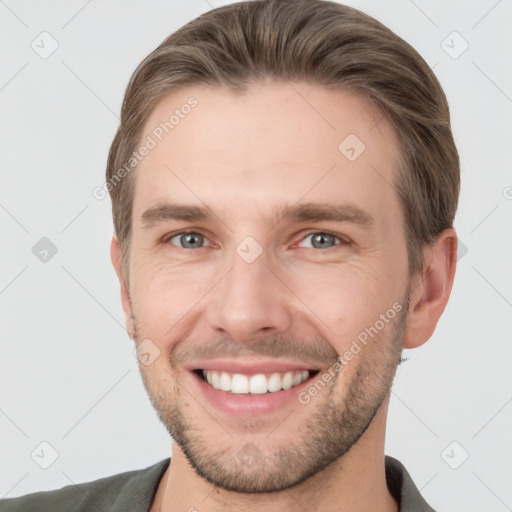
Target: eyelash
341,238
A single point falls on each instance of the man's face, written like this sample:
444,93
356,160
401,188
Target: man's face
250,300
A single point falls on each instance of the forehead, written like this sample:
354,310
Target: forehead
274,145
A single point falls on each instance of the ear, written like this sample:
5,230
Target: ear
115,255
431,289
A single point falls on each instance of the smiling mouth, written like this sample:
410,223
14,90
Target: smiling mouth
258,384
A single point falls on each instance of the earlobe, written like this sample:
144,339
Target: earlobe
431,289
115,255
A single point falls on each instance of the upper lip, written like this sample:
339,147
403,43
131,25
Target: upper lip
250,367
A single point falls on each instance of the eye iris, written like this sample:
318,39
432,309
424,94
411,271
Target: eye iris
187,240
320,239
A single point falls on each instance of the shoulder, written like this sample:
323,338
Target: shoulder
101,494
403,489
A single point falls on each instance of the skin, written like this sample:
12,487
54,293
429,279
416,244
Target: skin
242,156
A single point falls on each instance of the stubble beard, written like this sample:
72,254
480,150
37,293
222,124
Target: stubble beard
332,429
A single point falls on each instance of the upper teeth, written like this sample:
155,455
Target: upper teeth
255,384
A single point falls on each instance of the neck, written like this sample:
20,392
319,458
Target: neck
356,483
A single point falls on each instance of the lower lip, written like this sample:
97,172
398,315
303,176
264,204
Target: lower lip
250,404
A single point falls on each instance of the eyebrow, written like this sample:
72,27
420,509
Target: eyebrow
304,212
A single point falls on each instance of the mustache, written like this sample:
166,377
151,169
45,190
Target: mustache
317,351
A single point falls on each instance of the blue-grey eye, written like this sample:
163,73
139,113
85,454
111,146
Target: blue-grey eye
188,240
321,240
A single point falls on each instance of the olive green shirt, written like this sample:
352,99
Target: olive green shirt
134,491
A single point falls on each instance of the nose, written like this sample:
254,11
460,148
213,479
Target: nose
250,301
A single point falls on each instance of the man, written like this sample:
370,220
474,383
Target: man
284,182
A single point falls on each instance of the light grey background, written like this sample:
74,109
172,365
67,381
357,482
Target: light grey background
68,374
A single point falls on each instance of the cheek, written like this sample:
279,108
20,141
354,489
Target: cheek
347,299
165,294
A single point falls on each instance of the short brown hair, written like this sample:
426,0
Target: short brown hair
321,43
